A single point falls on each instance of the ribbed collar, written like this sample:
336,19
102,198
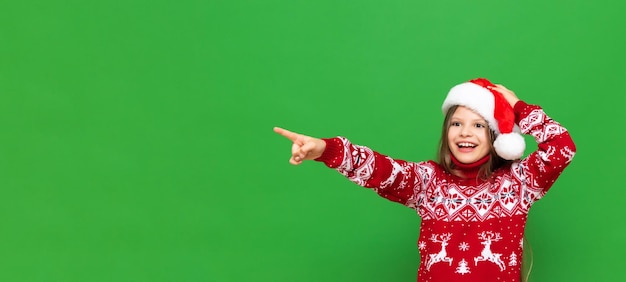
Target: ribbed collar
469,170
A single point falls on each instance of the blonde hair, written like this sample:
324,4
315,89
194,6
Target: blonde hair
527,261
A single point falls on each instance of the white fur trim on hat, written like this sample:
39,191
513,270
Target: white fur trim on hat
509,144
475,97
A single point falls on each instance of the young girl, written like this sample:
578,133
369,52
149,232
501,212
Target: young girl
474,201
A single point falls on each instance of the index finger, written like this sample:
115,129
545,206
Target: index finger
284,132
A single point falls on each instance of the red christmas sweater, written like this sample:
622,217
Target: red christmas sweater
471,230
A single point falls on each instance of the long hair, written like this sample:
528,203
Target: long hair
445,161
484,172
527,261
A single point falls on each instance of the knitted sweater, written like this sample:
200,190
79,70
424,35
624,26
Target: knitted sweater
471,230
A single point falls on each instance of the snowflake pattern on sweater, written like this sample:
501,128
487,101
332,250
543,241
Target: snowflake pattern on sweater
471,230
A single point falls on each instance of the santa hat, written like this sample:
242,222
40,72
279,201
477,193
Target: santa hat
494,108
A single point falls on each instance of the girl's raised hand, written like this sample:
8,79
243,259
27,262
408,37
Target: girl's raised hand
304,147
508,94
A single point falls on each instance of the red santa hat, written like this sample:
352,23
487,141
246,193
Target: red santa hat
494,108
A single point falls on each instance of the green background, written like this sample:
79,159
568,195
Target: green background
137,139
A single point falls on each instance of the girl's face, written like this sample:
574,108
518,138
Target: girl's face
468,136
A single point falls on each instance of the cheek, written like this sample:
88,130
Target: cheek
483,135
451,134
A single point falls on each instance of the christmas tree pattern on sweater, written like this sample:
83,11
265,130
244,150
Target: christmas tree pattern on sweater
471,230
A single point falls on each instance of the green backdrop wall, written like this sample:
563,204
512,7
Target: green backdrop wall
137,139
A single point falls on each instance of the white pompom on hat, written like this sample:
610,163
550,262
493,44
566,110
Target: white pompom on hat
494,108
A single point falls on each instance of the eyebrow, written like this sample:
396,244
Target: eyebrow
457,119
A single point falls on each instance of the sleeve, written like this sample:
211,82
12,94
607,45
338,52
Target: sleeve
395,180
555,149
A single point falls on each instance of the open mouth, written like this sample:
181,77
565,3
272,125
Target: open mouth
466,145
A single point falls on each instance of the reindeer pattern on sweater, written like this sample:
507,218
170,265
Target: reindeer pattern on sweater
471,230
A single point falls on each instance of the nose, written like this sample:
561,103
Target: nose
466,131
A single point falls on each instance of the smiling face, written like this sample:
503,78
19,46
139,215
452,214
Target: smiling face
468,136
